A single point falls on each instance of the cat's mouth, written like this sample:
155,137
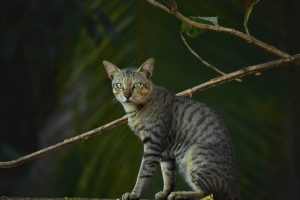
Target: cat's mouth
128,101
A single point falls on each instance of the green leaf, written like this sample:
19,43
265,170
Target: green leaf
207,20
249,9
194,32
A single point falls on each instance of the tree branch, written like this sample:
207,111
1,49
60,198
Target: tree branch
204,62
66,142
293,60
248,38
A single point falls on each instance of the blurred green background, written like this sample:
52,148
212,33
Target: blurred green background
53,86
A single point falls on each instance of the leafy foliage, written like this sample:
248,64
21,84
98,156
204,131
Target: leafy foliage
192,32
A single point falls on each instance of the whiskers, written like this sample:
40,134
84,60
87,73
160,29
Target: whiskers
115,100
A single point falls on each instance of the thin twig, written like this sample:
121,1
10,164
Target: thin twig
248,38
201,59
247,15
159,5
293,60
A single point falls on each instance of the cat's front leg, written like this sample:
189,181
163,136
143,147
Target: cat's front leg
151,158
167,165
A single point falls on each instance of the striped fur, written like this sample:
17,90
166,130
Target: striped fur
175,130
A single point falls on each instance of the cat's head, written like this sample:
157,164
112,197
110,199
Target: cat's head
131,86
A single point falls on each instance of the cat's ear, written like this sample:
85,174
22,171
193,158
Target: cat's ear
111,69
147,67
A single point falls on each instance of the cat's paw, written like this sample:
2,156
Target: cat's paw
129,196
173,196
161,195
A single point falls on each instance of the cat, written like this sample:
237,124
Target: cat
175,130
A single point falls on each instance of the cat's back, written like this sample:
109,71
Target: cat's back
196,114
197,124
187,120
187,113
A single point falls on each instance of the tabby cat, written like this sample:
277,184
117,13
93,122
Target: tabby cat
173,130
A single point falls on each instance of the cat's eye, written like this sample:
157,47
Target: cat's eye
118,86
137,85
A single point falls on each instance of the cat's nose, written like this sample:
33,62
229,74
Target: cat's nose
127,93
127,96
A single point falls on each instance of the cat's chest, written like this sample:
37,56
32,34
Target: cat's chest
137,125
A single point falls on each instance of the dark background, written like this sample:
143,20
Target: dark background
53,86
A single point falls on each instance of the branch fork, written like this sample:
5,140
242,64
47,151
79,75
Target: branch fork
248,38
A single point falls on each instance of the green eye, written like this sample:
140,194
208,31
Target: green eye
118,85
137,85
